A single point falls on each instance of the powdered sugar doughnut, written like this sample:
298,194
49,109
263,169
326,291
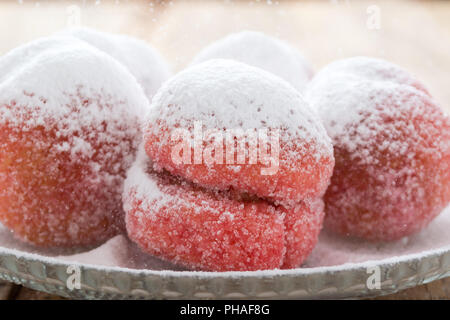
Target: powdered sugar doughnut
192,130
69,128
262,51
215,231
392,149
141,59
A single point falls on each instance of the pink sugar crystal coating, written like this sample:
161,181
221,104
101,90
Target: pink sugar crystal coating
261,51
392,148
227,95
69,129
141,59
214,231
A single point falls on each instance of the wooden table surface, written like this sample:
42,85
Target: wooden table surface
414,34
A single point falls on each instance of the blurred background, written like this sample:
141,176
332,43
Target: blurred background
413,34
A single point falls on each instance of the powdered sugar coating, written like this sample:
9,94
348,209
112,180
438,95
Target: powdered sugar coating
216,231
228,95
111,253
262,51
373,69
392,149
141,59
69,128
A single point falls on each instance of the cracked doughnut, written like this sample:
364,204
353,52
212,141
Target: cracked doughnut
229,96
69,130
392,149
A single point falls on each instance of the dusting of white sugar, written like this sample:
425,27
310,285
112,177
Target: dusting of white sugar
392,148
72,113
141,59
359,98
262,51
223,93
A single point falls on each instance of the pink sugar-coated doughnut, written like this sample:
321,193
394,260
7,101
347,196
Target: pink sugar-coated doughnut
215,231
262,51
142,60
392,149
69,130
226,95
